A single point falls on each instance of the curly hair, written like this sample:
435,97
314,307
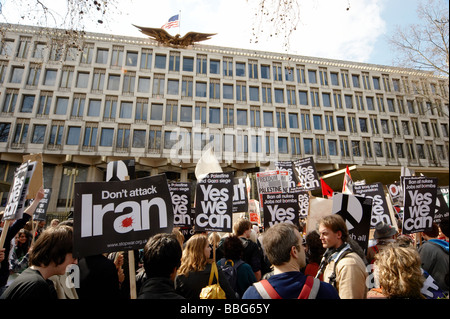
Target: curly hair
399,272
193,258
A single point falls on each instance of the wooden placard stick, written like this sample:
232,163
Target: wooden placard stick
4,232
132,273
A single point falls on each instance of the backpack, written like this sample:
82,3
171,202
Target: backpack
229,269
309,290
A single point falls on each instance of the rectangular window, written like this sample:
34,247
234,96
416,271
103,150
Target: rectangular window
113,82
202,63
50,77
214,66
160,61
265,71
82,80
146,59
78,106
126,110
156,112
110,109
27,103
90,135
61,105
154,139
141,110
228,91
200,89
132,57
144,84
102,56
214,115
117,56
73,135
38,134
16,75
240,69
172,87
188,64
139,138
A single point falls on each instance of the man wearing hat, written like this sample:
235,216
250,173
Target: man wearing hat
384,234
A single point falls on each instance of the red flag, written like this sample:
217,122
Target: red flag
347,187
326,190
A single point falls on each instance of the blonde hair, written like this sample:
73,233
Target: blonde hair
193,258
399,271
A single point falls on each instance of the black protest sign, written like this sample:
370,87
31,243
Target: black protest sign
288,166
115,216
181,203
380,210
15,204
41,210
303,203
420,203
280,208
441,205
356,211
240,198
214,203
306,172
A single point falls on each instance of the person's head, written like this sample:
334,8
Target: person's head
443,225
242,227
431,233
53,248
195,254
233,248
399,272
283,244
23,237
162,256
384,231
54,222
179,235
333,231
314,248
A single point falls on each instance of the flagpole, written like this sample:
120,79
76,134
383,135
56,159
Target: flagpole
179,23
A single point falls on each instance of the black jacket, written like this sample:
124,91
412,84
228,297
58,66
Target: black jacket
158,288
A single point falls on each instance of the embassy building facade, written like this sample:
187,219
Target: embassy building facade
110,98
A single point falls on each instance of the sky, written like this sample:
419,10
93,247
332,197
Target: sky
350,30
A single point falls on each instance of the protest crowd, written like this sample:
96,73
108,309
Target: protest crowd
288,260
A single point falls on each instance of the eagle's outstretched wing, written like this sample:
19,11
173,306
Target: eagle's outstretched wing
157,34
191,37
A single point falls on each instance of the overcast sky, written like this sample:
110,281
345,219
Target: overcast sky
352,30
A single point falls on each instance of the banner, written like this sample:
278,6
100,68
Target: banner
288,166
420,203
380,210
280,208
214,203
240,196
254,212
318,208
115,216
306,173
37,180
441,205
15,204
181,202
41,210
356,211
120,170
271,182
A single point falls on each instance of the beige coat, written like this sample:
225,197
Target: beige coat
351,277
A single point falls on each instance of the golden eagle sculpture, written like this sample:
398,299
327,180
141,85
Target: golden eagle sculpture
163,37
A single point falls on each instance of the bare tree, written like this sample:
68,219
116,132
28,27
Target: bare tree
70,17
424,46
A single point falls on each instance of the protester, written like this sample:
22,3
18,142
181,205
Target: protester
11,233
162,258
384,234
18,260
195,269
55,222
283,246
344,268
252,255
241,272
65,284
314,253
99,278
434,256
51,254
399,274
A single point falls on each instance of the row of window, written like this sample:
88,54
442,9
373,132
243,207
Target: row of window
202,64
184,141
227,115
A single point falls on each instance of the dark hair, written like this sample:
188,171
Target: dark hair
52,246
444,226
433,231
233,248
162,254
315,247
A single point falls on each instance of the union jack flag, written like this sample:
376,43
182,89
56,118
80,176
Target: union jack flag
172,22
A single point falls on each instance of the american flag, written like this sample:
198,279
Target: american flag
172,22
